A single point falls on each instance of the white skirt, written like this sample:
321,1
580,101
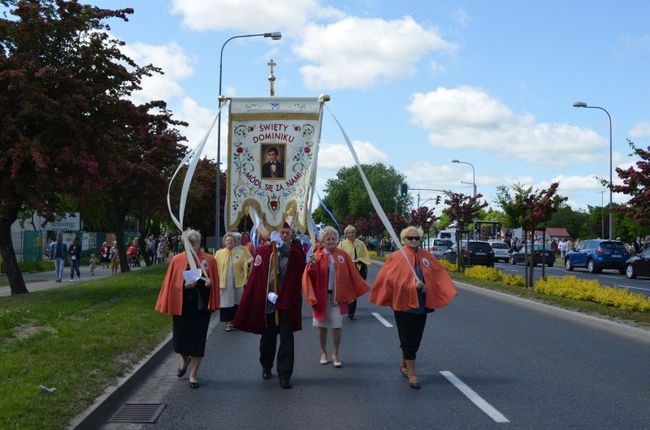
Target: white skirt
229,297
333,317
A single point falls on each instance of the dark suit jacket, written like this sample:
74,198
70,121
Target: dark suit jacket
279,170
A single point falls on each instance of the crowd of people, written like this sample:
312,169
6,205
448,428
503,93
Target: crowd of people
260,290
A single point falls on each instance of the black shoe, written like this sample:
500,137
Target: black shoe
266,374
351,316
415,384
284,382
180,371
194,385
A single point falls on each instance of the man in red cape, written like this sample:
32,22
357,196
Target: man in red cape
272,301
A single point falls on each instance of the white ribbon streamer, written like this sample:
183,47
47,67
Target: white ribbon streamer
191,160
371,194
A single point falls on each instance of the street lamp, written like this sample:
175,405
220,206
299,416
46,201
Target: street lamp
585,105
276,35
473,172
602,215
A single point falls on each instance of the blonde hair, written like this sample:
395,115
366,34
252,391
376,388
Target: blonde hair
404,231
232,235
328,231
350,229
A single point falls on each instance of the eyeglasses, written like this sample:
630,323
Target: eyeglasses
412,237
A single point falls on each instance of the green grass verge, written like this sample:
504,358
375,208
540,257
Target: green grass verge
639,318
78,339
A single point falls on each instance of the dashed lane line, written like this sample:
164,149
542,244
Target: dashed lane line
381,319
475,398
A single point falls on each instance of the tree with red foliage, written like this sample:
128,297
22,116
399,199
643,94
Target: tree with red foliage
141,151
529,209
462,209
423,217
201,198
636,184
57,66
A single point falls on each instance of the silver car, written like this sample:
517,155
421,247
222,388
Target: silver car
501,250
439,246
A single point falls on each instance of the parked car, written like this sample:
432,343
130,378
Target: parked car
501,250
439,246
540,254
639,265
475,252
596,255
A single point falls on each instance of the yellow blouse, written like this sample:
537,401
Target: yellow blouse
362,252
239,256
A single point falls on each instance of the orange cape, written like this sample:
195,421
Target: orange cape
349,283
395,283
170,298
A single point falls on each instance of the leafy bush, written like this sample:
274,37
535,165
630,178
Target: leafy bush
447,265
492,274
31,266
581,289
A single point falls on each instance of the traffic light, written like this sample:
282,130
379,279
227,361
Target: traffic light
404,190
437,200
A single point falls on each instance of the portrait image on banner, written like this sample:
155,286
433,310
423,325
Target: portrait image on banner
272,153
273,156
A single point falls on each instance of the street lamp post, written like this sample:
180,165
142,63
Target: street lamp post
473,173
611,184
276,35
602,215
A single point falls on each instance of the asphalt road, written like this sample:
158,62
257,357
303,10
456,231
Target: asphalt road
527,365
608,277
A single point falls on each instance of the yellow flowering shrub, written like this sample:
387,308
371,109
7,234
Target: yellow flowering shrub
492,274
447,265
372,253
591,290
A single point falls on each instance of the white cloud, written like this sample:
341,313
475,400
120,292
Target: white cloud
640,130
335,156
199,120
248,15
358,53
173,62
468,118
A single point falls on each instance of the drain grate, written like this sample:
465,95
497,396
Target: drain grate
145,413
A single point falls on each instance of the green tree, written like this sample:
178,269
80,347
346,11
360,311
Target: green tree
345,195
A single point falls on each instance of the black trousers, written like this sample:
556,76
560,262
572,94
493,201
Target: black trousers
410,328
352,307
268,344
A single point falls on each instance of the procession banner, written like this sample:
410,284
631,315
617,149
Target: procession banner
272,155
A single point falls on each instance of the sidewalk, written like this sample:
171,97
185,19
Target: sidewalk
45,280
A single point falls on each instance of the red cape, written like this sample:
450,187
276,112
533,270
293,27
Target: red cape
395,282
349,283
170,298
251,313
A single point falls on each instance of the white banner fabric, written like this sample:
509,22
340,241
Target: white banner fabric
272,154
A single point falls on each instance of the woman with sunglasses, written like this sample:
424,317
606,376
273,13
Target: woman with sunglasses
413,287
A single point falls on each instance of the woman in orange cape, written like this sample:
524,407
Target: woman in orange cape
411,297
190,304
331,281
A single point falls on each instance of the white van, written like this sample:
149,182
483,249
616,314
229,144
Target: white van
449,233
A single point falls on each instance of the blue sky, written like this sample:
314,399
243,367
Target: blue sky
417,84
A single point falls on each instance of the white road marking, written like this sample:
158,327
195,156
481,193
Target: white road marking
475,398
381,319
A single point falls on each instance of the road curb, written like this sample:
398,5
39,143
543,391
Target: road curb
96,415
